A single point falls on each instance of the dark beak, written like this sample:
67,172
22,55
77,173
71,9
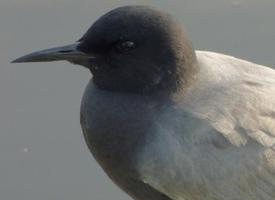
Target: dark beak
68,52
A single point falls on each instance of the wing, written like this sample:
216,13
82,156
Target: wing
230,153
237,97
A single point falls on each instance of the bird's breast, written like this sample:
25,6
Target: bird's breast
116,126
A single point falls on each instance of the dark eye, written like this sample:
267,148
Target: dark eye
125,46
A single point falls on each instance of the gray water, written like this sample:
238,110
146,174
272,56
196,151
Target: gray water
42,152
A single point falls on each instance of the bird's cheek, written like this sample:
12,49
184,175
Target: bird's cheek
93,65
100,64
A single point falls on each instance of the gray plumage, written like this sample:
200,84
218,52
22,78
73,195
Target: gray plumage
166,122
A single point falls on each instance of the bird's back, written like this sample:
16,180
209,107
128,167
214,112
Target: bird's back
221,144
236,96
232,155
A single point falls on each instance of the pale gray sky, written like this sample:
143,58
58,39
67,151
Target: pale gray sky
42,152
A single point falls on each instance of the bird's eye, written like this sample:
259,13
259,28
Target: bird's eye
125,46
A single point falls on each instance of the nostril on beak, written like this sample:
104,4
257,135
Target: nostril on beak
65,51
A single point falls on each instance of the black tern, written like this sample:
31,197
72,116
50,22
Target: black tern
166,122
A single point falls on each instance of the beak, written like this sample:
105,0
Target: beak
68,52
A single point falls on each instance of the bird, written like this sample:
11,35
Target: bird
167,122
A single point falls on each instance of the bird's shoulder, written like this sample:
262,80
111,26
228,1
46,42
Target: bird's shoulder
236,96
224,137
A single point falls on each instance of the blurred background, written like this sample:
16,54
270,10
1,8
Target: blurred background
42,152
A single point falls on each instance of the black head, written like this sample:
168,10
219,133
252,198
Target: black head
134,49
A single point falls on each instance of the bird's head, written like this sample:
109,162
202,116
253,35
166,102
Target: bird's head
130,49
